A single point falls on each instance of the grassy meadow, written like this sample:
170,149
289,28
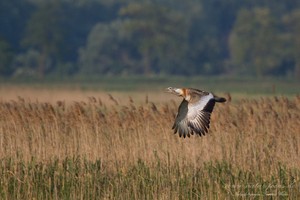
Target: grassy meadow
79,143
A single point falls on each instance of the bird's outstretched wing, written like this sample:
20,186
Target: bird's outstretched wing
194,117
181,122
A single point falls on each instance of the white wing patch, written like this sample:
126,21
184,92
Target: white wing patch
200,105
193,118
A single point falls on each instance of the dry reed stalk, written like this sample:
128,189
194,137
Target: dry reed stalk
68,96
249,134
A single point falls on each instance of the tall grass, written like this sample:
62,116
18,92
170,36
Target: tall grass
91,149
76,178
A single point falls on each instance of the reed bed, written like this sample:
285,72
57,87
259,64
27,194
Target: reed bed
91,149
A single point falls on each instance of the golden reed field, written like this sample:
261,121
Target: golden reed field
58,145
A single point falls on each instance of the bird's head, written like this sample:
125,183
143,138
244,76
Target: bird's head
176,91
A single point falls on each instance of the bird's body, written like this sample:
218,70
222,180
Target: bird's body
194,111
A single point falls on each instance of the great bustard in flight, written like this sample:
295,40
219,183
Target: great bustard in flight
194,111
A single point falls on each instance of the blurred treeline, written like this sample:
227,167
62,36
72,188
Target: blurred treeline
124,37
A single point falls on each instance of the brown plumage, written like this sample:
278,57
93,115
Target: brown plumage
194,111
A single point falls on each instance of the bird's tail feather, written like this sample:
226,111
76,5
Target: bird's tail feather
220,99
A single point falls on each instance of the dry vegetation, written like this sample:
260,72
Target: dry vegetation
111,150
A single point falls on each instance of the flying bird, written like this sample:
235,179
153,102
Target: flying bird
194,111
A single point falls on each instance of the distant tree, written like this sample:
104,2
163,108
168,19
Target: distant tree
6,57
25,64
255,42
209,34
13,17
106,50
291,23
159,35
45,33
79,20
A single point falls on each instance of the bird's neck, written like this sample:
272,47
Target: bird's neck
186,95
184,92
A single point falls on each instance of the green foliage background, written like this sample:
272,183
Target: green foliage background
39,38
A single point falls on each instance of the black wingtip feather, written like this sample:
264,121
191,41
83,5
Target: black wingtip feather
174,125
